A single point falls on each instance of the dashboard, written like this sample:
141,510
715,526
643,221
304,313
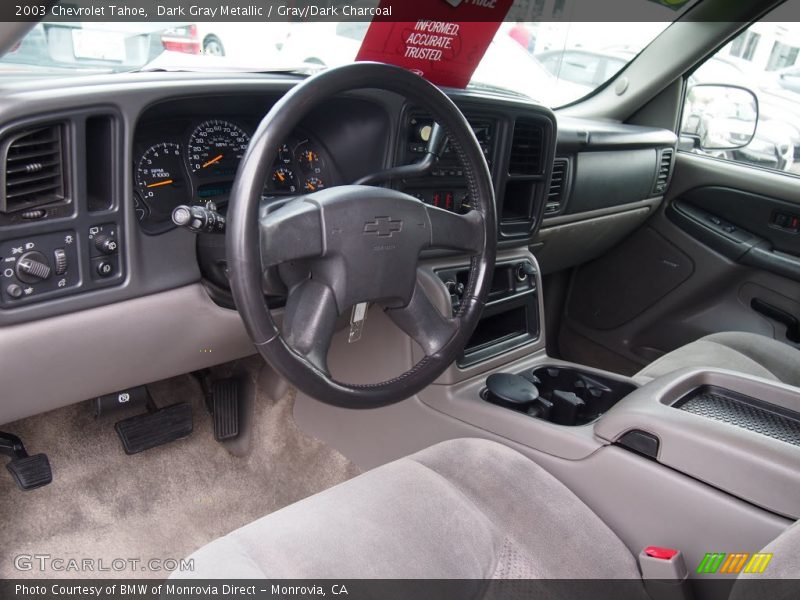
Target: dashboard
194,161
114,155
99,286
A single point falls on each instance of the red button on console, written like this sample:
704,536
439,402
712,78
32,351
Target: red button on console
658,552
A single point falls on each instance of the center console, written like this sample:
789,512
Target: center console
738,433
511,316
558,394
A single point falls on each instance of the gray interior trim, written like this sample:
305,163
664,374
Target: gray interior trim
643,502
568,244
713,451
454,373
650,203
695,170
65,359
463,401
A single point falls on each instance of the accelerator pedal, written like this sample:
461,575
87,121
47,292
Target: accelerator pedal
155,428
30,472
225,408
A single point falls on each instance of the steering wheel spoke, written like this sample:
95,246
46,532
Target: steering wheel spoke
292,232
309,322
422,321
463,233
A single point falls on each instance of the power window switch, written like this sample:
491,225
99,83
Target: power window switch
781,220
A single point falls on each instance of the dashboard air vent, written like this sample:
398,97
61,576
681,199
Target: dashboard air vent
33,168
526,148
558,186
664,168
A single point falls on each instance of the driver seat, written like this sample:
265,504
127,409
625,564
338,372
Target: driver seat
462,509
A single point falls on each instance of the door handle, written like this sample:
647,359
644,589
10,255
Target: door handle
779,315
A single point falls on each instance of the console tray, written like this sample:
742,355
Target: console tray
743,411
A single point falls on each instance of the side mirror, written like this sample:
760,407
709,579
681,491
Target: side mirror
720,117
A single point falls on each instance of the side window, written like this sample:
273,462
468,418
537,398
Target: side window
719,115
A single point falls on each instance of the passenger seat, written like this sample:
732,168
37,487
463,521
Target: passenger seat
747,353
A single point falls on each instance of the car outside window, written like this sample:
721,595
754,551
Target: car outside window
763,59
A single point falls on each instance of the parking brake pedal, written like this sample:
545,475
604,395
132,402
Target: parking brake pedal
30,472
225,408
155,427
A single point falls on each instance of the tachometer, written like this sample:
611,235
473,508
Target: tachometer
160,178
216,147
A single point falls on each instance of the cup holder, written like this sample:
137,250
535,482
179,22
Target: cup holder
561,395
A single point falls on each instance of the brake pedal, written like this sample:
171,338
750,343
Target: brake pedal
30,472
225,408
155,428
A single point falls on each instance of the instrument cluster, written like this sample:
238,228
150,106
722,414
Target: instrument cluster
197,162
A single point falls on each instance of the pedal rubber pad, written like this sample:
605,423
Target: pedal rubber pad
162,426
225,396
31,472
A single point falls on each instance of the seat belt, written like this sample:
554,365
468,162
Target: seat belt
664,574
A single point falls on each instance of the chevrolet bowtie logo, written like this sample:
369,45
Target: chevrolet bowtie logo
383,226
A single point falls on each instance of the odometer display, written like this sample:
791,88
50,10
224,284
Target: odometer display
215,148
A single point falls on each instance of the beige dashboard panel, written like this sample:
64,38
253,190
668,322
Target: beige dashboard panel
65,359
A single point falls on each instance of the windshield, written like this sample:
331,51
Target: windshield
554,63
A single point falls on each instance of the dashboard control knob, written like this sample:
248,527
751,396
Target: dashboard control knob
105,268
105,244
525,270
60,261
14,290
32,267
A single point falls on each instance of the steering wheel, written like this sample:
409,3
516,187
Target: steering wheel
349,244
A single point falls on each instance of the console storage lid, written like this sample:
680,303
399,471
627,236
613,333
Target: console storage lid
735,432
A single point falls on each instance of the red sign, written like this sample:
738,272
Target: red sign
445,47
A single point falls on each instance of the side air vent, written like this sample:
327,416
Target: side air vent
558,187
664,169
33,168
526,148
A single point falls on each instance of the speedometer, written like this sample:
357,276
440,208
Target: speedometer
216,147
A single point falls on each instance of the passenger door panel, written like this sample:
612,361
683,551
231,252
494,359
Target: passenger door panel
713,259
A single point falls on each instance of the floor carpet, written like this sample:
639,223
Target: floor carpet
162,503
